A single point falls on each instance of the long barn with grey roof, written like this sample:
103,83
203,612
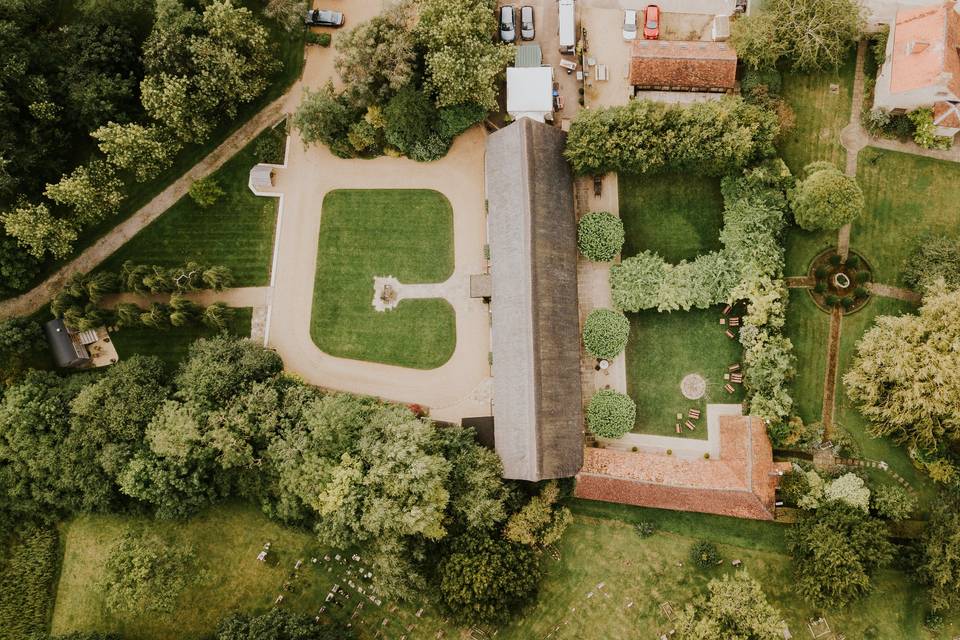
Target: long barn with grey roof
532,230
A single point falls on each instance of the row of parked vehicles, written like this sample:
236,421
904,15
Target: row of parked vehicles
508,23
651,23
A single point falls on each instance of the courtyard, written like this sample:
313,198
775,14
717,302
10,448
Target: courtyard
406,234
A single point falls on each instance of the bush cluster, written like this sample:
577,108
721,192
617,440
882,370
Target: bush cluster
933,258
605,333
611,414
704,554
600,236
643,137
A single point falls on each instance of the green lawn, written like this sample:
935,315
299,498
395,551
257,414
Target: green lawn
404,233
801,247
821,115
236,232
809,329
600,547
678,216
172,345
907,196
289,50
663,348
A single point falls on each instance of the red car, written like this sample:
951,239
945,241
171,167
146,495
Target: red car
651,22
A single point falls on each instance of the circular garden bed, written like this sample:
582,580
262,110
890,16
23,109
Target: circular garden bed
840,283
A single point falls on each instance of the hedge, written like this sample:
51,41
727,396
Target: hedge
600,236
611,414
605,333
643,137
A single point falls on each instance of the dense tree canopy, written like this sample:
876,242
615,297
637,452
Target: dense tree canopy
808,34
145,574
836,550
826,198
934,257
279,624
735,608
939,562
905,377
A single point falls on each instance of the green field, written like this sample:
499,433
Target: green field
236,232
172,345
907,196
821,115
663,348
808,329
289,50
677,216
404,233
600,547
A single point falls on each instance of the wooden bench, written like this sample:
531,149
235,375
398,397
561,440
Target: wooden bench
730,334
694,413
728,387
689,425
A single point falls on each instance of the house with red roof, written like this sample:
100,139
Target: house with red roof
922,65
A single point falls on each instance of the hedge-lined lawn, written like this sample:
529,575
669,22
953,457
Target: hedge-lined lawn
821,115
849,417
172,345
236,232
678,216
289,51
663,348
404,233
907,196
809,329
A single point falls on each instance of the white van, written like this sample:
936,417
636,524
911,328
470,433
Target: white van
568,28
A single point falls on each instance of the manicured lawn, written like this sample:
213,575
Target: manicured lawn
404,233
821,115
808,328
663,348
801,247
907,196
289,50
236,232
172,345
601,546
677,216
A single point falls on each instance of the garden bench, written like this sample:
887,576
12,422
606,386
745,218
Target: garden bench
736,377
694,413
730,334
690,425
727,309
728,388
678,427
734,322
734,367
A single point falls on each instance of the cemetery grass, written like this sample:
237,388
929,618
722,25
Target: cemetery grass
404,233
236,232
600,547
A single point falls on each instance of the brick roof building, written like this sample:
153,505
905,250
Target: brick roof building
740,482
922,65
665,65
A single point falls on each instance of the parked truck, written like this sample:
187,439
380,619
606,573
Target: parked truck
568,26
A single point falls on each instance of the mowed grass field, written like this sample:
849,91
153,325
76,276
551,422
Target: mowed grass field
236,232
809,330
608,583
677,216
404,233
820,115
663,348
172,345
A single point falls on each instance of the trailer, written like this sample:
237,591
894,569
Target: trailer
567,26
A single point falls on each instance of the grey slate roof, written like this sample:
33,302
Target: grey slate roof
532,229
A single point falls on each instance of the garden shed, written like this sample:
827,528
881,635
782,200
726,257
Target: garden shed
532,230
67,348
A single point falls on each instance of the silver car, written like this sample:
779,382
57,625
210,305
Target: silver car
527,30
508,24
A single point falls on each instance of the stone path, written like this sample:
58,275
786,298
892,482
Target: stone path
800,282
886,291
830,379
843,241
31,301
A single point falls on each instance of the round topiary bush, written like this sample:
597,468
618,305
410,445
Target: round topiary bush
610,414
704,554
826,199
605,333
600,236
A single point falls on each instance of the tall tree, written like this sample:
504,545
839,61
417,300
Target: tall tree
939,563
734,609
38,231
222,367
905,377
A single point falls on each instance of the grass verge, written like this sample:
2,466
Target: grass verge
404,233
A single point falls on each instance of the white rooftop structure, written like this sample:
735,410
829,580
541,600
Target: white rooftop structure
530,92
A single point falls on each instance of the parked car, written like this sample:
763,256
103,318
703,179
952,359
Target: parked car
508,24
324,18
629,25
527,30
651,22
